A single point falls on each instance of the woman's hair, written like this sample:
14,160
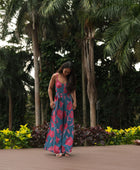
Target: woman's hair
71,79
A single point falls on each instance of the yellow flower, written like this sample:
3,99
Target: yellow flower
21,126
6,140
16,147
121,131
109,129
133,129
115,131
23,131
6,131
138,127
7,147
133,132
25,125
127,130
29,135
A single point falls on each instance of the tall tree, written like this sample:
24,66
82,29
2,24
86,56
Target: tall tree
28,21
12,75
85,15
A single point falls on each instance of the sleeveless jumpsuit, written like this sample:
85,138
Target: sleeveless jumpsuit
60,134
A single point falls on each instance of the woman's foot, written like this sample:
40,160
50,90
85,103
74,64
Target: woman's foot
67,155
137,142
59,155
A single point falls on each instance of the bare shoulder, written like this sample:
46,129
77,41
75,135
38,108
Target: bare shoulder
54,76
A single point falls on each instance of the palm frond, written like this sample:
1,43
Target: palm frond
122,56
86,4
50,7
116,34
120,39
137,51
115,9
22,17
11,10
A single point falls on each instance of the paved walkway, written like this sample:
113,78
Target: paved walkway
122,157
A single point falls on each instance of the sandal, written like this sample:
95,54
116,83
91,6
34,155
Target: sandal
58,155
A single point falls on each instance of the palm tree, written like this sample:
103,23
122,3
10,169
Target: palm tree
86,16
12,75
89,25
6,79
28,19
123,36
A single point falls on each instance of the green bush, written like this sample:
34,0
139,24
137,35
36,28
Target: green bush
82,136
126,136
39,135
26,138
91,136
15,140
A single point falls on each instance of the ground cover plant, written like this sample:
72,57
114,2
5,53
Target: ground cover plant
15,139
91,136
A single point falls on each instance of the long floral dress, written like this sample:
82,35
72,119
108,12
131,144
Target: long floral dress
60,134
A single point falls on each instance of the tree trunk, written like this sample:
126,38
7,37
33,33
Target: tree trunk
46,110
10,109
88,47
83,92
42,111
36,67
41,100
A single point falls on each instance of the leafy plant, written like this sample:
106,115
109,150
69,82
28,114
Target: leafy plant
82,136
90,136
15,140
38,135
126,136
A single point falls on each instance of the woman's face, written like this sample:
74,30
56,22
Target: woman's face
66,71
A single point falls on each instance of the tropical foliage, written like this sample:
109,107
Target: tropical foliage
92,136
123,136
14,79
101,38
15,139
123,35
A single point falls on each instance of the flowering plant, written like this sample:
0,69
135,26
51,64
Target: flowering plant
15,140
123,136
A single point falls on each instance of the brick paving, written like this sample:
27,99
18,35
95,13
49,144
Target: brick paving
121,157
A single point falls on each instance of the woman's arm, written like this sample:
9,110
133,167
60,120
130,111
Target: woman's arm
73,94
50,93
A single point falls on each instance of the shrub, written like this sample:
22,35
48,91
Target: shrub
126,136
82,136
35,138
39,135
15,140
90,136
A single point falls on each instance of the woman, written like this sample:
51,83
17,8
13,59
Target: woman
61,129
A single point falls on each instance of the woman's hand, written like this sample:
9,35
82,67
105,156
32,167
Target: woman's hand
52,105
74,106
